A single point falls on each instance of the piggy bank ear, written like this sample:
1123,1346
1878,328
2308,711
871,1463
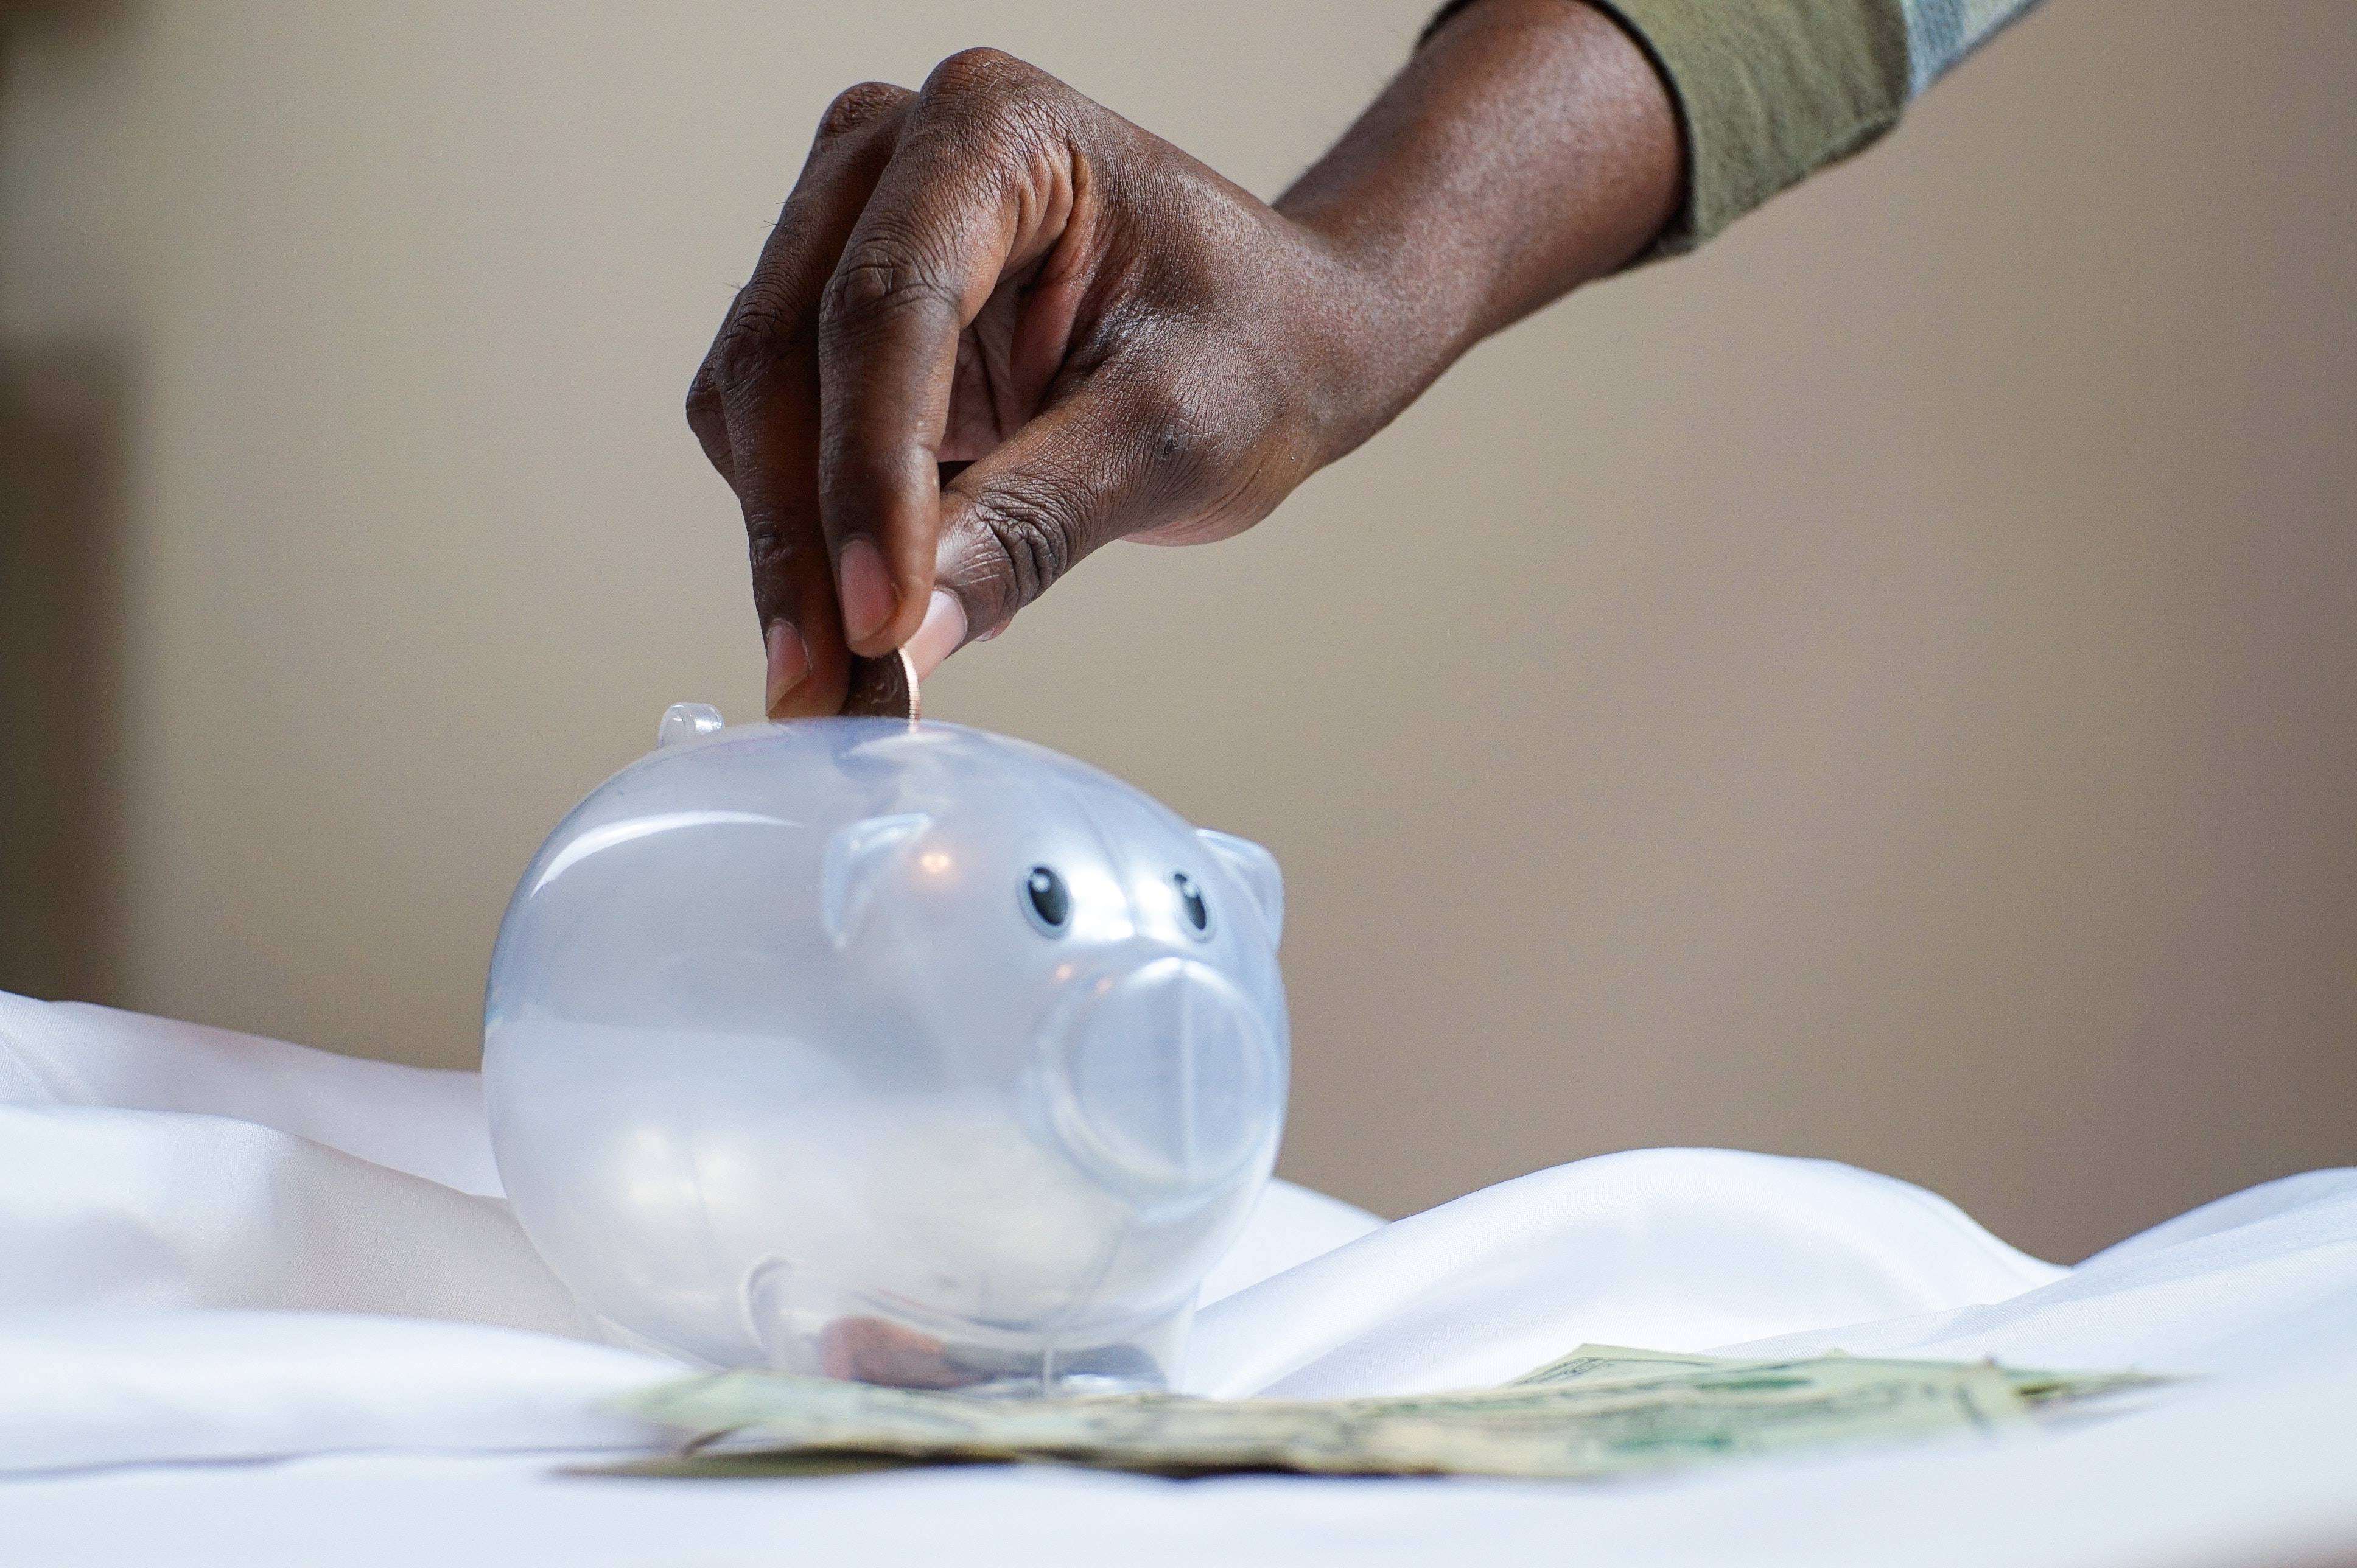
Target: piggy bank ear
1256,869
858,857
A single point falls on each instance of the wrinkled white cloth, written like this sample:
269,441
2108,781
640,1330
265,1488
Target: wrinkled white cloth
105,1386
2252,1474
214,1247
1671,1249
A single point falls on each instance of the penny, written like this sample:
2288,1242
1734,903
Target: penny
884,688
870,1350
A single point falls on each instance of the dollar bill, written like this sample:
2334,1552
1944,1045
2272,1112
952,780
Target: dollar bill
2044,1392
1600,1411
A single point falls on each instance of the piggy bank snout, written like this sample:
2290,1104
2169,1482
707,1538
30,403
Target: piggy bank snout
1166,1076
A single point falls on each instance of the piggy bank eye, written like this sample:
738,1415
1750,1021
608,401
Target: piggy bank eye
1047,900
1190,899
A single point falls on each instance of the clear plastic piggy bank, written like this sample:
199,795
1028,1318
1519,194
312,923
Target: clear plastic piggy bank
889,1051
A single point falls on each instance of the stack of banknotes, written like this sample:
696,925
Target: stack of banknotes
1600,1411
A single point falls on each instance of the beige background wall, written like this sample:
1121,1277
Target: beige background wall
1884,689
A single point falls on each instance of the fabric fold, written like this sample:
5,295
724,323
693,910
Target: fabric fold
102,1208
84,1388
1672,1248
425,1121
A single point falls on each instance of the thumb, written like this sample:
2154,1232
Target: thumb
1089,470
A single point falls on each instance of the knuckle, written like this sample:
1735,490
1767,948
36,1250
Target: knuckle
703,405
988,105
751,341
1030,537
979,75
710,428
857,106
776,548
880,279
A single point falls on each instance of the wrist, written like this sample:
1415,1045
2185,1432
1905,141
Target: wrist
1389,315
1530,147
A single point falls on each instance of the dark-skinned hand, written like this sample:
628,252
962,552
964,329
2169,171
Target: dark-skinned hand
997,326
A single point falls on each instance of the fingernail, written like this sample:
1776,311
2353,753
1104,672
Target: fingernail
866,589
938,638
788,662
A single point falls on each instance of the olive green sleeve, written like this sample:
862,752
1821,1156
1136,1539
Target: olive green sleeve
1767,90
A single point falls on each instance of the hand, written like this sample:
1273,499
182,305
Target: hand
996,279
997,326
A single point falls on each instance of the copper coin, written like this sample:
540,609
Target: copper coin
884,688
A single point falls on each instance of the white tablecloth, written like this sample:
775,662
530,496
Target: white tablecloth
260,1304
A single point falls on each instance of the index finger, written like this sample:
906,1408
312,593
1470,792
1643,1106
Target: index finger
980,185
754,403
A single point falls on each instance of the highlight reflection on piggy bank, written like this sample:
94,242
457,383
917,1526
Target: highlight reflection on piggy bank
892,1051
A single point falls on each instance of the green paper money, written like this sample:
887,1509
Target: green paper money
1600,1411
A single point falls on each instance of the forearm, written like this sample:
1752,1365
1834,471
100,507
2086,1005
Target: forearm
1528,147
1109,340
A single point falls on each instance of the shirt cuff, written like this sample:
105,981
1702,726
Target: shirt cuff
1767,91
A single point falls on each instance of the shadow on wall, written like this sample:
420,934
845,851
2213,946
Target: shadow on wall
64,447
63,440
19,17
